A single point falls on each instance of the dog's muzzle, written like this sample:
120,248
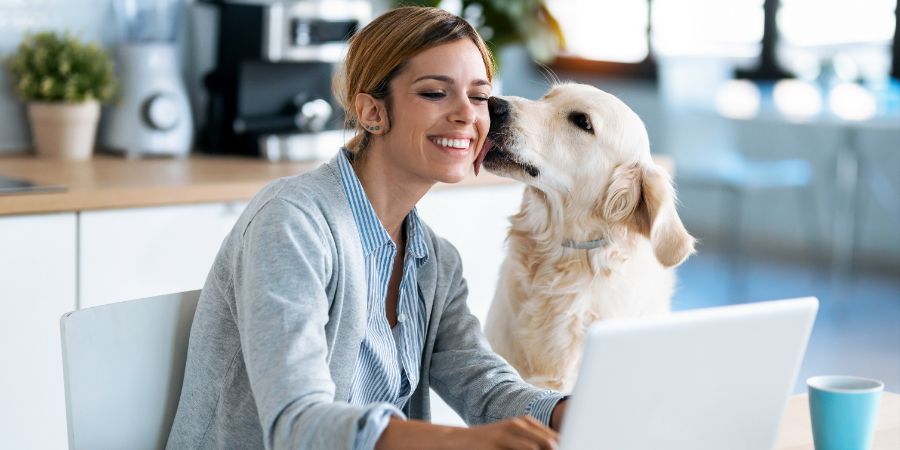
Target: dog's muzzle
496,153
499,113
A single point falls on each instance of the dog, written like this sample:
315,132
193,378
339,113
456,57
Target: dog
597,234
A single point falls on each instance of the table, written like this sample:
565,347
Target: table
796,430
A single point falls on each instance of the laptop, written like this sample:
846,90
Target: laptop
704,379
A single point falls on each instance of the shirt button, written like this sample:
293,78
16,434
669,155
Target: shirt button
401,318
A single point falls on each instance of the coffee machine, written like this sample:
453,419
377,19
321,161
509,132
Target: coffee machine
269,94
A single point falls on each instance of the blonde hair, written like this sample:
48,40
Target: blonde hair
383,47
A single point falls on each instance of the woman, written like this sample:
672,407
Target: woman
331,308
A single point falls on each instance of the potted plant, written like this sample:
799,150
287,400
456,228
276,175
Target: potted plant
63,82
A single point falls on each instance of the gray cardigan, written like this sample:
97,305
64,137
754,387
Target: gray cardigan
278,327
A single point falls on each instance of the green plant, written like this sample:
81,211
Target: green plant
58,68
506,22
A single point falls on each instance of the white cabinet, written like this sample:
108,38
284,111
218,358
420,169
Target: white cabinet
52,264
37,286
475,221
140,252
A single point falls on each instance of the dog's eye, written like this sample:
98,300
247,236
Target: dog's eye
581,120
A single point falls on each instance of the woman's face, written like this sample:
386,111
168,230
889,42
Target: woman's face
439,114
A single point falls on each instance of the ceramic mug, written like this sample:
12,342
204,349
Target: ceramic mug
844,411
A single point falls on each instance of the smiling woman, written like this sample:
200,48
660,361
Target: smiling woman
384,48
331,309
435,123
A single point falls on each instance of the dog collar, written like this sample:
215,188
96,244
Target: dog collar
584,245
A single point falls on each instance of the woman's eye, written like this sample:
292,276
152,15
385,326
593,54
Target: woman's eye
433,95
479,98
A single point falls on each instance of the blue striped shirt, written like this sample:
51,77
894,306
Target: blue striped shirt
387,368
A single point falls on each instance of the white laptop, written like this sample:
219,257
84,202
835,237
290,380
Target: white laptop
705,379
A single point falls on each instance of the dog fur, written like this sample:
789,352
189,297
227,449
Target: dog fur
585,158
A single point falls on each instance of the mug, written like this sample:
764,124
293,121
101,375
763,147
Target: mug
844,411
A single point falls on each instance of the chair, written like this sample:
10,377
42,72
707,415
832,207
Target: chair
738,177
123,366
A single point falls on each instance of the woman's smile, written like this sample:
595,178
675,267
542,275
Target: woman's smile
459,147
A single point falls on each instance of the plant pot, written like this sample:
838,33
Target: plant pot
64,130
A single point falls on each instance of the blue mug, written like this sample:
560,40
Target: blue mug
844,411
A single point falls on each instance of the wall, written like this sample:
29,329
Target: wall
87,19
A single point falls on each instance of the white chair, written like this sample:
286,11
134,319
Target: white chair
738,178
123,365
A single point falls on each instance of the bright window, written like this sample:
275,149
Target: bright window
830,22
731,28
606,30
851,38
836,40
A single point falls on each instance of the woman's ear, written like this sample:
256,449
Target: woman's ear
371,113
656,217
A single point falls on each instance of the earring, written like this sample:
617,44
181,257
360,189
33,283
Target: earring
372,128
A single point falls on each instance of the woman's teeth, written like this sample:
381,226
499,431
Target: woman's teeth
452,143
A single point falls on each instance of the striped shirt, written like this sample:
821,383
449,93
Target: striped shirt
387,368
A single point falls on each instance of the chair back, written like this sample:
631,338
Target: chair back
123,366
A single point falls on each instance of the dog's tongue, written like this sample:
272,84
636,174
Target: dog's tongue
488,144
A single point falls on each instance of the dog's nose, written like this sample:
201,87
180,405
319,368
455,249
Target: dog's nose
498,108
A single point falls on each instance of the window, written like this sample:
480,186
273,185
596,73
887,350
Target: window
732,28
604,30
624,36
832,22
799,37
849,40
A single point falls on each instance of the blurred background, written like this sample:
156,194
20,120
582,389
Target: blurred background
781,119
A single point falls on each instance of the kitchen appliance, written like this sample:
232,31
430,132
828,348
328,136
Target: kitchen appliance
269,94
152,115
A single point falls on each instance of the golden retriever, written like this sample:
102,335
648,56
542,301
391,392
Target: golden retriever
597,234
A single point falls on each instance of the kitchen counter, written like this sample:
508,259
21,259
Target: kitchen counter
106,181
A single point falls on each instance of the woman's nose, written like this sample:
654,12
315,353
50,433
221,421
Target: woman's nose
464,111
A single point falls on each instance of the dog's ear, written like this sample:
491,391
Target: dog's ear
655,217
622,194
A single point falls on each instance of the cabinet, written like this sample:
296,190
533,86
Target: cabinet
475,221
37,286
52,264
140,252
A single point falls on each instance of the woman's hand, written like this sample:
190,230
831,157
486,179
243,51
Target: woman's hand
558,415
518,433
523,432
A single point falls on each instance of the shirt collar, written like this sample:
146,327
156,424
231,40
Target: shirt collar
415,245
371,231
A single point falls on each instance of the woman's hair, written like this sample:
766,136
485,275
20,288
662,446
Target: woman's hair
381,50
